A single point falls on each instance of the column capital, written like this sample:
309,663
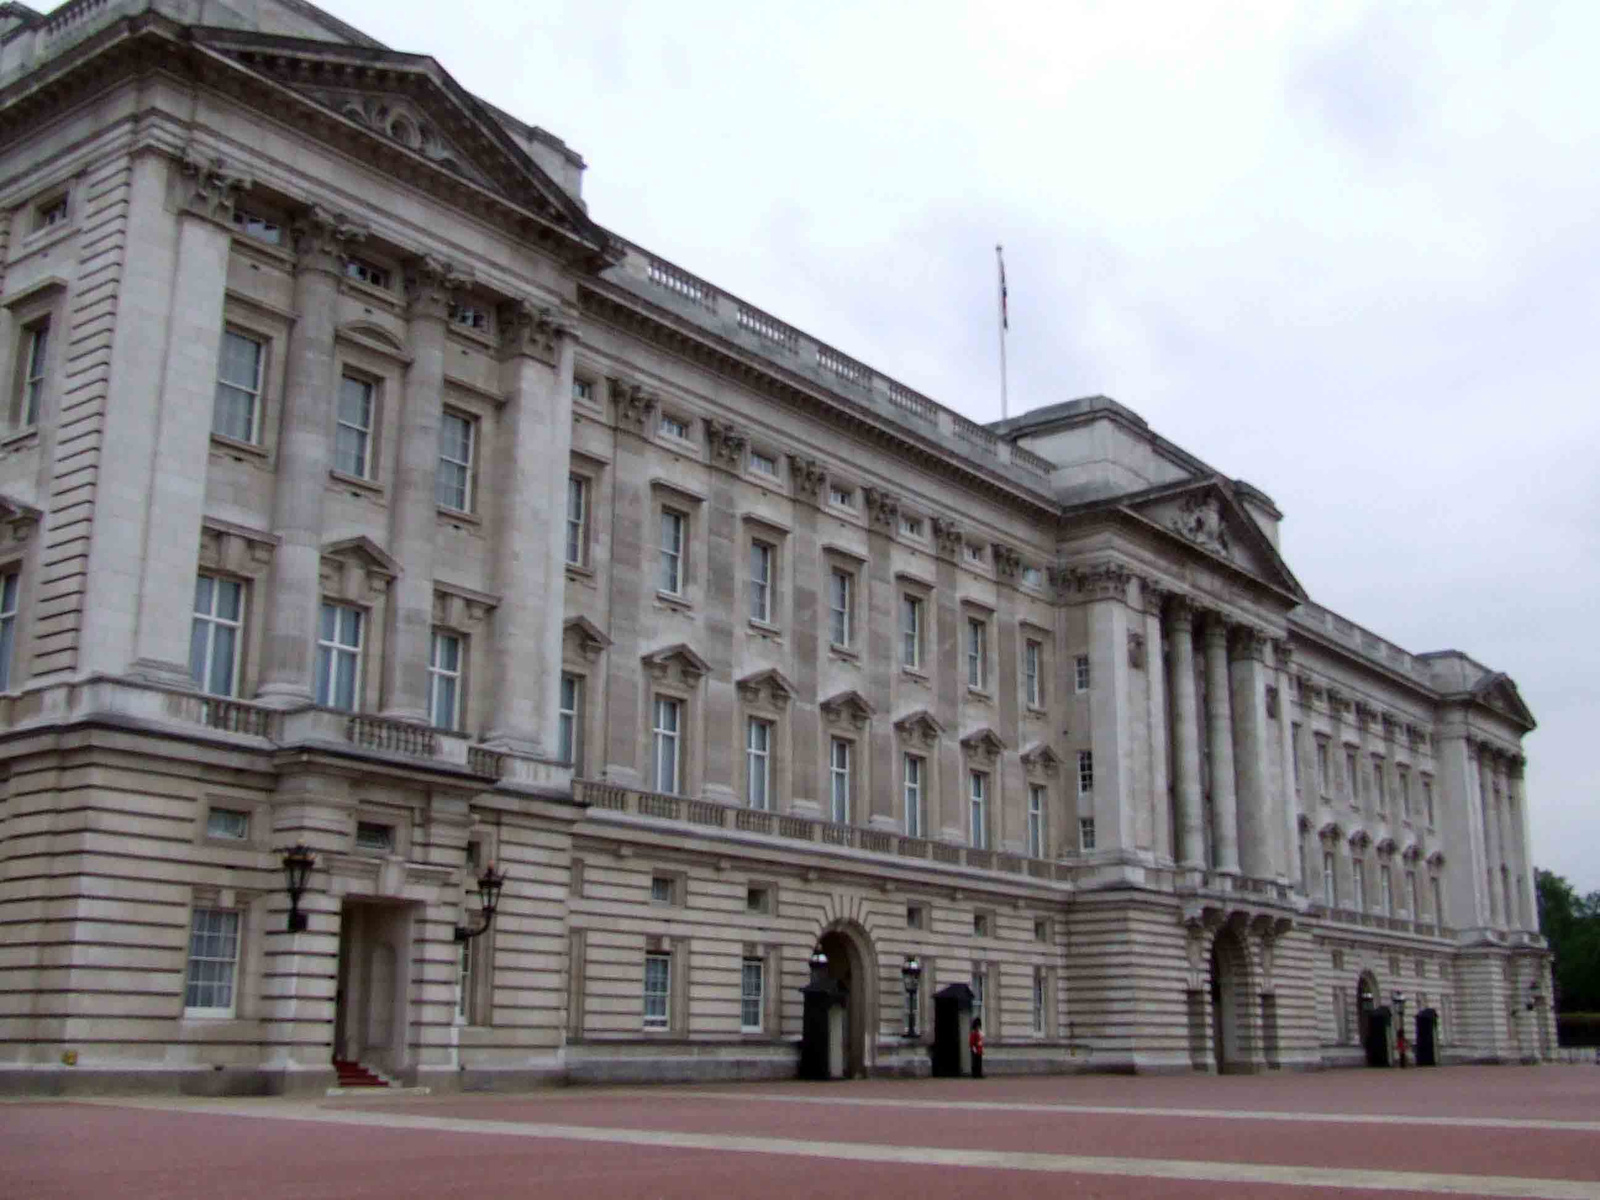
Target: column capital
727,442
1249,643
883,508
1180,612
534,330
808,475
1216,627
1007,560
947,533
634,404
209,188
323,239
1106,580
431,285
1283,654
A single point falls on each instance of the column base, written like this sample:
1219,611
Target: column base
283,696
163,674
406,716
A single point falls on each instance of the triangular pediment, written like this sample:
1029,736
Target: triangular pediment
920,727
849,706
1498,692
983,745
679,658
1037,756
1206,515
19,518
769,687
365,551
403,112
585,637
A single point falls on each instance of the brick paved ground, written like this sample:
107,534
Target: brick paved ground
1504,1131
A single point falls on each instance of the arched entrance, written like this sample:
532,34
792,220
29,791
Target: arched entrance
1230,1003
1366,1001
853,966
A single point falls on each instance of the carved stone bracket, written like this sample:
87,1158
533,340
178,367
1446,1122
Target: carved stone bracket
210,189
727,443
534,330
634,405
584,637
1136,650
883,508
431,283
947,534
323,239
1007,561
19,519
809,476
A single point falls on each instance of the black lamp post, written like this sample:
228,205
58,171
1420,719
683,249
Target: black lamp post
911,976
818,963
489,885
1400,1025
297,863
1535,996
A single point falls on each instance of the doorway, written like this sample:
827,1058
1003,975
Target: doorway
1230,1003
848,967
371,1023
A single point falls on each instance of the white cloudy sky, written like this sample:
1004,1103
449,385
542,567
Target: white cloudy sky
1346,251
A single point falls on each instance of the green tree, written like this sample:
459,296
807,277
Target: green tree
1571,924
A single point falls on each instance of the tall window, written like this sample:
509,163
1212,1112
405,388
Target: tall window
1085,772
1080,673
758,763
1322,767
444,681
352,444
464,984
977,653
1404,778
235,411
1413,897
1330,884
1031,654
1086,836
1352,775
339,657
452,487
911,632
1438,901
1040,992
839,772
10,588
569,729
1358,885
1036,799
672,530
668,756
841,600
913,768
980,990
214,635
1294,752
213,963
1379,790
760,581
978,803
1386,891
35,360
752,994
1427,800
577,519
657,991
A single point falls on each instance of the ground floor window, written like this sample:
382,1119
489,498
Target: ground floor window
213,963
657,991
752,993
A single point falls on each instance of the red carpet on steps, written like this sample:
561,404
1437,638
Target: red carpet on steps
353,1075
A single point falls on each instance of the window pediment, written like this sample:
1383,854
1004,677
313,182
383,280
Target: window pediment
919,727
676,663
770,687
457,607
582,637
847,708
1436,859
235,549
19,519
983,745
1039,757
357,569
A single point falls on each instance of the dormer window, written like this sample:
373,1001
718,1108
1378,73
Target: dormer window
369,273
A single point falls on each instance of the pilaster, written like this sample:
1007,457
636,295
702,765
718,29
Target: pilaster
1186,736
633,579
726,577
882,635
1158,804
1258,833
1219,731
805,728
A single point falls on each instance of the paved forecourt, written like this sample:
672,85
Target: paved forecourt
1493,1131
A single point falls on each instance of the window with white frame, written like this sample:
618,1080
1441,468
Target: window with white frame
236,409
1322,766
1427,800
841,607
1085,772
973,554
454,482
254,225
663,889
980,991
228,824
1386,891
1036,807
763,464
35,370
215,635
1041,990
667,738
1086,841
977,653
339,656
910,526
1294,752
51,212
444,680
752,994
1413,896
911,632
352,438
1358,885
369,273
583,389
762,556
464,983
1403,779
375,837
1033,684
841,497
674,526
674,426
657,991
1352,775
210,982
841,769
1437,891
1080,673
912,768
1032,577
1379,790
569,726
577,520
10,591
978,809
1330,882
758,763
469,316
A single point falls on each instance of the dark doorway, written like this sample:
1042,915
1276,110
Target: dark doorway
847,967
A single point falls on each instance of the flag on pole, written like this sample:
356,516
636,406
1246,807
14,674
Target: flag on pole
1005,317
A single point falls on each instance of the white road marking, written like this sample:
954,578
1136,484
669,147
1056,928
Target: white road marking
919,1156
1110,1110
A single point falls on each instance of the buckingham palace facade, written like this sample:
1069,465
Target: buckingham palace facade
358,490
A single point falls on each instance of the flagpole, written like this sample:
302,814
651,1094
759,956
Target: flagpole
1000,261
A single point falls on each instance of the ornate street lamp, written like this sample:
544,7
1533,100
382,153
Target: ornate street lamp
1535,996
818,963
297,863
489,885
911,976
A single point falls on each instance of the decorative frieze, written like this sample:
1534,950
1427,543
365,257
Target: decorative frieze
1200,521
1100,581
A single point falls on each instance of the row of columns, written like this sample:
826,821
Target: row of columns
1499,780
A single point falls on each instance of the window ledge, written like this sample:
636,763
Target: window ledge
233,445
455,514
21,439
357,288
845,652
1037,710
579,571
674,600
978,693
765,628
914,673
375,490
38,239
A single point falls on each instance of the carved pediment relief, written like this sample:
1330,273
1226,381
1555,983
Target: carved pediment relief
847,708
1206,514
919,728
357,569
582,638
1499,693
770,687
983,745
19,519
401,121
235,549
1039,757
676,663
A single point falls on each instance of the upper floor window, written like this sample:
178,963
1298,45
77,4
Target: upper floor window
469,316
1036,807
910,526
840,778
1294,752
1330,884
577,520
1403,777
974,554
841,497
978,806
352,439
912,769
758,763
35,369
53,211
977,653
761,556
1427,800
674,426
254,225
668,751
1080,673
1033,688
213,963
10,590
583,389
236,410
1032,577
1386,891
673,527
763,464
569,727
366,272
444,681
1352,775
911,632
1322,767
453,484
339,656
214,635
1358,885
1380,791
1085,772
841,607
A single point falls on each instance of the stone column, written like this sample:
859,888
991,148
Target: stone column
1508,845
305,453
1493,856
177,482
1529,899
1103,589
633,577
879,605
1186,736
1258,833
1162,842
414,508
533,448
810,632
726,577
1219,732
1283,660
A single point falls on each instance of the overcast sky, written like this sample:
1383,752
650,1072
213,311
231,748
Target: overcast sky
1348,252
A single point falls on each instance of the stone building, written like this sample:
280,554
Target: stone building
360,490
